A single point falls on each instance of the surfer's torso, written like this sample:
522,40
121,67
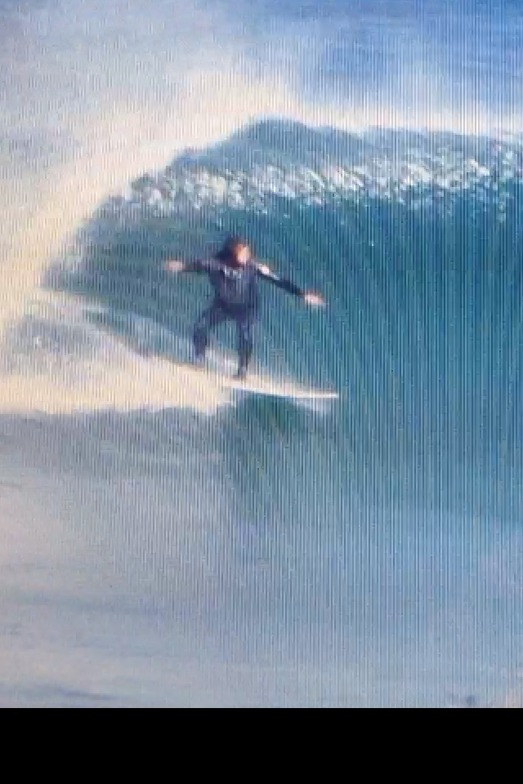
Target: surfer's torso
235,286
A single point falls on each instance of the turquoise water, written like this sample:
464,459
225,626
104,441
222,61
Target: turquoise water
164,543
368,554
419,264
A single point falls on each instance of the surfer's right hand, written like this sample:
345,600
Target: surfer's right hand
174,265
311,298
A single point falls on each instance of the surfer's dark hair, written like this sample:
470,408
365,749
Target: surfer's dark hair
228,249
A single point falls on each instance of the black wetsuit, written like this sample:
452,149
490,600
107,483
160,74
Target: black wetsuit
236,298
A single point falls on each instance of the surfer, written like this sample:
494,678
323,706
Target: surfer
233,274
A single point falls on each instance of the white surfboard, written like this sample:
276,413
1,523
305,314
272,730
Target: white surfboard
256,384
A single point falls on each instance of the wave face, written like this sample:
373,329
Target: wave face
420,265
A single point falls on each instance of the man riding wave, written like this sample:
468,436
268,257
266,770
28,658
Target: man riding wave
234,276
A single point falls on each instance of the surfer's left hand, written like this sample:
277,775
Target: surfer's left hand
311,298
174,265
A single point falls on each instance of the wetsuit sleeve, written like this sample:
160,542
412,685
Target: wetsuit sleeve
265,273
201,265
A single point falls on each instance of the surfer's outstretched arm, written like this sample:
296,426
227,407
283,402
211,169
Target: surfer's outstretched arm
200,265
310,297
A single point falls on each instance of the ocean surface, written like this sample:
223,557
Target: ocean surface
165,542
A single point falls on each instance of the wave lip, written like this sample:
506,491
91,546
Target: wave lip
279,159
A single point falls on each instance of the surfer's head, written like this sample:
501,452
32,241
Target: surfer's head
235,250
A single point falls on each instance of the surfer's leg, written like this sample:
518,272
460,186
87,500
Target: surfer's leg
244,329
209,319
